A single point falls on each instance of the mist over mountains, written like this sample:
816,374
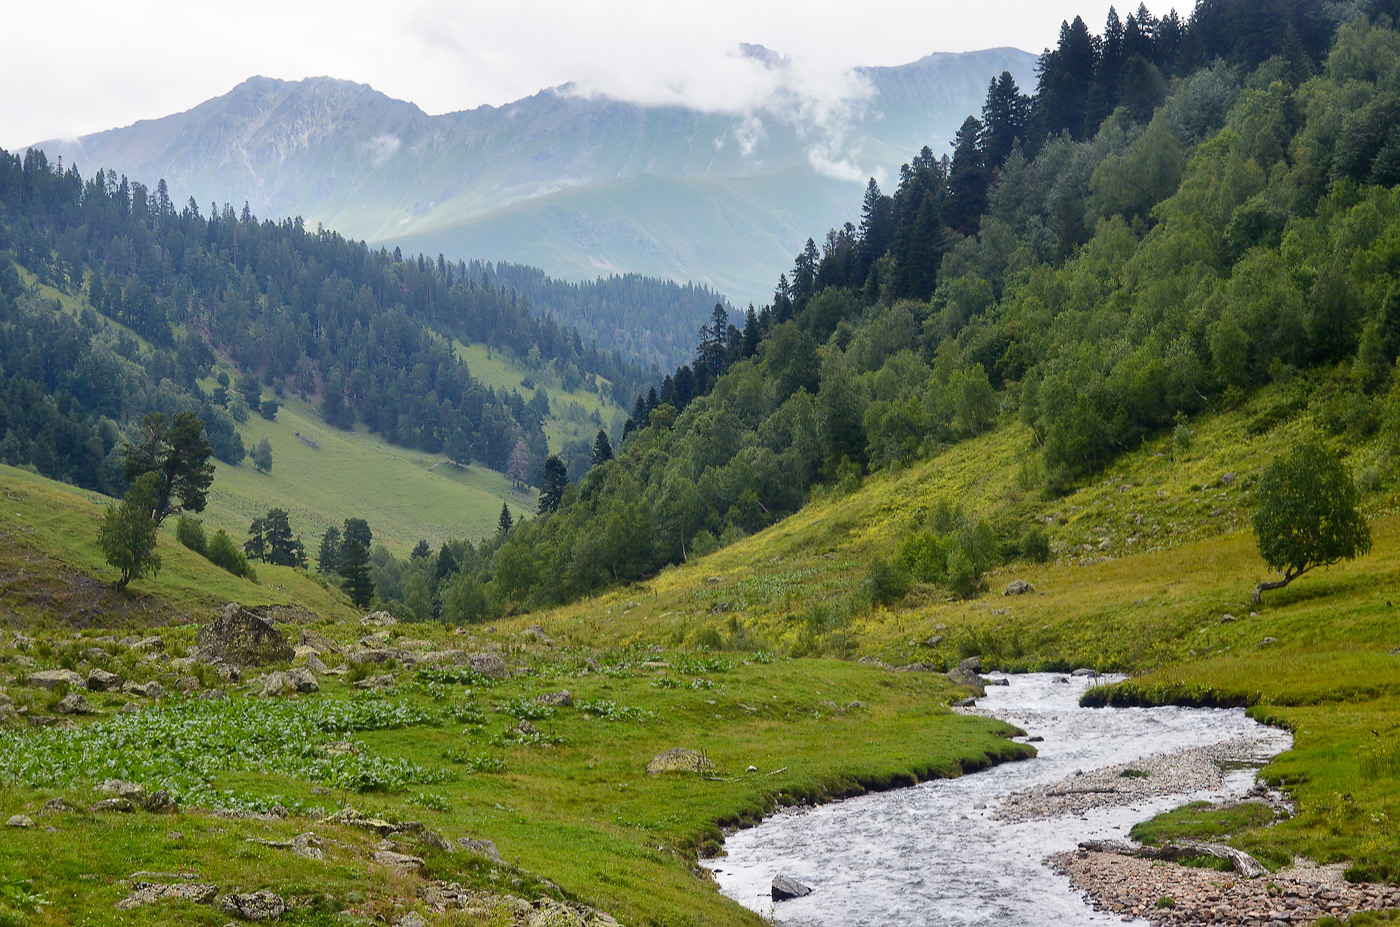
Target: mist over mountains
579,186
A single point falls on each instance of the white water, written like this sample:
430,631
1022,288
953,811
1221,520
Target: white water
929,855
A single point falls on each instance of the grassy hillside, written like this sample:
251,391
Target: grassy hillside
323,475
54,572
571,412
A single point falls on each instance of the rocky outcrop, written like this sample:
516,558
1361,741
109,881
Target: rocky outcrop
241,638
144,893
255,906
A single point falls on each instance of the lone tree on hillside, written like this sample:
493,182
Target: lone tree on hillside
177,452
128,532
1307,515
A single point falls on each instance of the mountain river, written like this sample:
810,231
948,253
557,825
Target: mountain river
971,851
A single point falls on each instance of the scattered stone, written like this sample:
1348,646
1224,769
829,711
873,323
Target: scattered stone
536,633
1226,479
150,689
319,643
918,668
1227,618
556,699
52,679
122,789
382,681
99,680
411,919
160,802
785,887
255,906
400,861
378,655
1268,642
679,759
1085,671
73,704
1018,587
188,684
316,665
240,637
56,806
20,820
150,645
228,672
378,620
308,846
144,893
963,676
436,840
120,805
524,729
486,848
352,818
413,643
934,641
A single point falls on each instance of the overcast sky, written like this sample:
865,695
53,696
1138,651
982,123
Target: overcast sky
77,67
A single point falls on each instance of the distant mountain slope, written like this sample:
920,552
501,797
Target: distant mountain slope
577,186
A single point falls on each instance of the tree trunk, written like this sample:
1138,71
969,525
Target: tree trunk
1260,589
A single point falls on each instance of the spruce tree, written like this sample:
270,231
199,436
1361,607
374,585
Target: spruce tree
354,570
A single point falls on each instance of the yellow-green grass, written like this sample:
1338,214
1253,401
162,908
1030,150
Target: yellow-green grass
322,475
581,812
501,371
54,572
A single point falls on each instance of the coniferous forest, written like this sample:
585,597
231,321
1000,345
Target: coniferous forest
364,333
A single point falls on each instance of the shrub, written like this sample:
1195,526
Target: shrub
885,582
189,531
1035,545
224,553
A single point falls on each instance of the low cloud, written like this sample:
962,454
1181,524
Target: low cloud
381,148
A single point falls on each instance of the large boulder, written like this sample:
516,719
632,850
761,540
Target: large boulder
99,680
785,887
241,638
319,643
52,679
255,906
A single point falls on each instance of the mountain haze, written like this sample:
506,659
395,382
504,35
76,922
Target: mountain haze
578,186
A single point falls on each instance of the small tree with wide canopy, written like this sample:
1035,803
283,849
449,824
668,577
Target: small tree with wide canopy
1307,515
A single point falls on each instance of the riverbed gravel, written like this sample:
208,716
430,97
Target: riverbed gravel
1168,894
1180,773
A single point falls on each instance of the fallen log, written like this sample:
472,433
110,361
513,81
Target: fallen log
1243,863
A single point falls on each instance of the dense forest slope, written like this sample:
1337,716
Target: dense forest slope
577,185
1184,212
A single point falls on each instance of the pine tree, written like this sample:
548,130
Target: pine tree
553,484
354,570
505,522
328,557
602,448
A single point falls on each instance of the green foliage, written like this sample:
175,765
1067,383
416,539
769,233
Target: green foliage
224,553
1307,515
128,532
262,455
885,582
354,570
189,531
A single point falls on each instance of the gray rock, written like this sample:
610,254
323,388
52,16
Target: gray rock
973,664
934,641
411,919
556,699
785,887
315,664
255,906
144,893
122,789
486,848
154,644
52,679
241,638
73,704
160,802
965,677
382,681
1018,587
122,805
318,642
377,655
188,684
378,620
308,846
150,689
535,632
99,680
57,806
301,679
1085,671
20,820
400,861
